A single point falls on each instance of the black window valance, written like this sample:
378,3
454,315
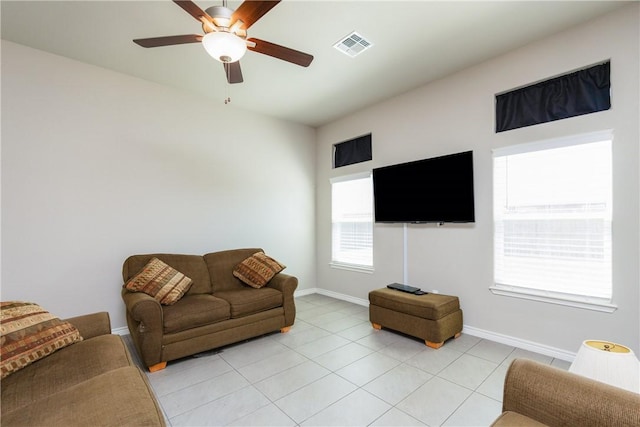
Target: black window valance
353,151
581,92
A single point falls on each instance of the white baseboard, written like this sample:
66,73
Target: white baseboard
480,333
343,297
331,294
120,331
303,292
520,343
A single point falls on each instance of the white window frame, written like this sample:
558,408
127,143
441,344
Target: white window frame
338,261
550,296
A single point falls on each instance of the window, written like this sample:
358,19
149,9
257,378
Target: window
352,222
552,221
580,92
355,150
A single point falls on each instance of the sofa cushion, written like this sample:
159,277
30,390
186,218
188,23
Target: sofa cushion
193,311
246,301
221,265
30,333
192,266
161,281
257,270
120,397
67,367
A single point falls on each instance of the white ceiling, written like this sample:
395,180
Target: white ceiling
415,42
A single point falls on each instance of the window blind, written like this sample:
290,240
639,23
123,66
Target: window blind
352,221
552,218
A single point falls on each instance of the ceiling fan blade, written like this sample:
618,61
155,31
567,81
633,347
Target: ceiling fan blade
281,52
250,11
169,40
192,9
233,72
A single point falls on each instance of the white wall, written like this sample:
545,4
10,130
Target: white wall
97,166
456,114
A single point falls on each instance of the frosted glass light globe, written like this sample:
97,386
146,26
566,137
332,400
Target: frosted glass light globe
224,46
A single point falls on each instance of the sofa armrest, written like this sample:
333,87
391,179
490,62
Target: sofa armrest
145,321
142,307
92,325
556,397
284,283
287,285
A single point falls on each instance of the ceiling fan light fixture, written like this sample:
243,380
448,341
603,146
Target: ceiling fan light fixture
224,46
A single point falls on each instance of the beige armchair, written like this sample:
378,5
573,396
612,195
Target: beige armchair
541,395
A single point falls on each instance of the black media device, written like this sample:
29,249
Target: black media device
406,288
438,189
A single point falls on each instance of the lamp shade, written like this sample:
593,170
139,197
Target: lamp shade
608,362
224,46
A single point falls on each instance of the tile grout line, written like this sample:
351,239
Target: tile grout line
323,305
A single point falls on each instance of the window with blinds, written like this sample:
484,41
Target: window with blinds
552,220
352,222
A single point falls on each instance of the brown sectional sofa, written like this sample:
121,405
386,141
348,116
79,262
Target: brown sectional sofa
218,309
539,395
92,382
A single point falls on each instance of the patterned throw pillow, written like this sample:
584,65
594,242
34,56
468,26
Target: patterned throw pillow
164,283
30,333
257,270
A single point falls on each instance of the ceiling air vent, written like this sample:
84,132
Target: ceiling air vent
353,44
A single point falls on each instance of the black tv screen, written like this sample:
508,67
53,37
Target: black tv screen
439,189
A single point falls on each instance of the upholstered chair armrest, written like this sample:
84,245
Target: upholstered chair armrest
92,325
556,397
287,285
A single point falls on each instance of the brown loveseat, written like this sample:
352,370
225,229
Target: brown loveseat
218,309
539,395
93,382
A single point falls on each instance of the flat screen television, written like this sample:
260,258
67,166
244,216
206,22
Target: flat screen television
438,189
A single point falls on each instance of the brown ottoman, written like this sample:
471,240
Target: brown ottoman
432,317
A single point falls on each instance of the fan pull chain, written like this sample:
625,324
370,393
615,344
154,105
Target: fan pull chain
227,98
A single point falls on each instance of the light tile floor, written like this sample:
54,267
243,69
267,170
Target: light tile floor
334,369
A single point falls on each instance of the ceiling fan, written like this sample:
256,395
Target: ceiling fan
225,35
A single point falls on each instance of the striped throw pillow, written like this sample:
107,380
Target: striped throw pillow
161,281
30,333
257,270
